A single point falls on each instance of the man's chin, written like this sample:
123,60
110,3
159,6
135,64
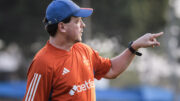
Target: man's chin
79,40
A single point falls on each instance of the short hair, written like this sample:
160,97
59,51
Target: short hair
52,28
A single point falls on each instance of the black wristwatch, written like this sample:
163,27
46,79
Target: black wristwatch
132,50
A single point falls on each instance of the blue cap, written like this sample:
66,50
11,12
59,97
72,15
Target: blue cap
58,10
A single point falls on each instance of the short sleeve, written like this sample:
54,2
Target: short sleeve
39,80
100,65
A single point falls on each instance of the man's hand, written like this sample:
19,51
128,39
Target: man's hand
147,40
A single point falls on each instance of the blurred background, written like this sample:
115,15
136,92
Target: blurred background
153,76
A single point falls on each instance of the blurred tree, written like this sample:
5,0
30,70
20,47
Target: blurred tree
21,22
128,19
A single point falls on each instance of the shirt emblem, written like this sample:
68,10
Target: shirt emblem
65,71
86,62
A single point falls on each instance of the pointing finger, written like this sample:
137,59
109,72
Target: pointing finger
157,35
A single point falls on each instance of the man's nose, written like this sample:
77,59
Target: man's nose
83,24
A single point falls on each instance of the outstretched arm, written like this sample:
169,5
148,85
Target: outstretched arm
121,62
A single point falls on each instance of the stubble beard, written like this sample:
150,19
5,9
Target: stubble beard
74,40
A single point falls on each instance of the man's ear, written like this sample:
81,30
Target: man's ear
61,27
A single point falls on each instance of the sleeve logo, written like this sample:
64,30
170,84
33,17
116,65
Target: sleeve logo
33,87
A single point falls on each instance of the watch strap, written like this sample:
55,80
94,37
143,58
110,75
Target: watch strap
132,50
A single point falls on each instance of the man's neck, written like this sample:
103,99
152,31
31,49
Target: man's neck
60,43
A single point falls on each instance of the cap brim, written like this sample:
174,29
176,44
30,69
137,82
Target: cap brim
84,12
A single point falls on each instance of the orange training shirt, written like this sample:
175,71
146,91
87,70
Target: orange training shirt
59,75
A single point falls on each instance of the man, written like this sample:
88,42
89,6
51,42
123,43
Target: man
64,69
